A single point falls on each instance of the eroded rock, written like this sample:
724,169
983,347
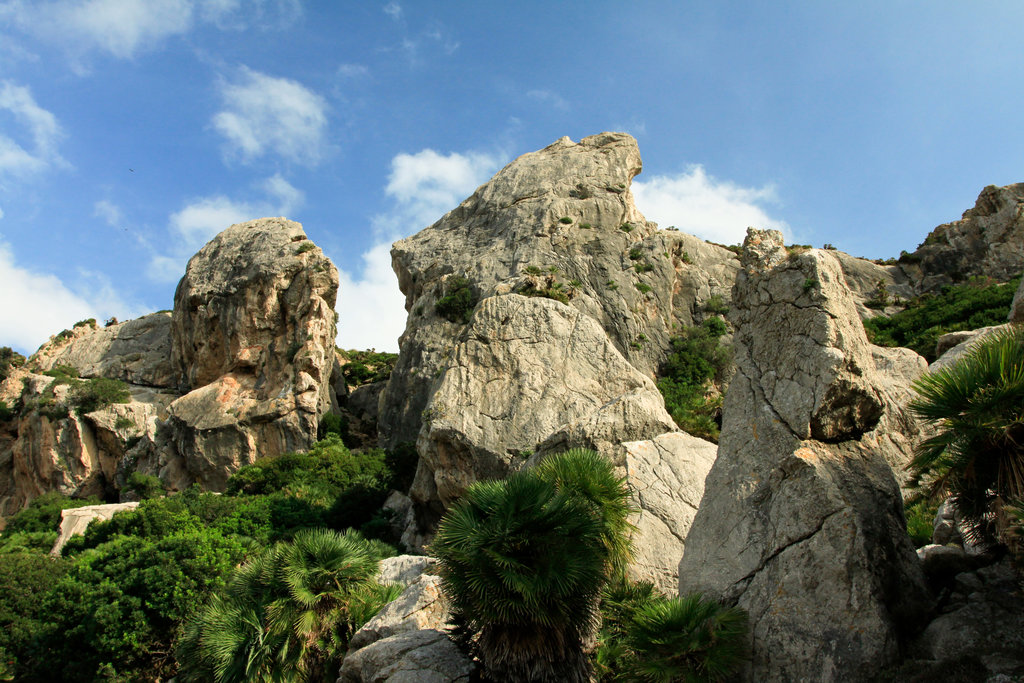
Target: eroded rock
253,345
420,606
801,521
74,521
426,656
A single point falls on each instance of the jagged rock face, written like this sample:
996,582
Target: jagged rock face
136,351
988,241
801,522
865,278
48,446
253,344
568,208
898,430
526,369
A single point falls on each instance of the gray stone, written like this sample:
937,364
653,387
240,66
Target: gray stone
136,351
420,606
801,523
665,476
526,369
404,569
955,346
426,656
74,521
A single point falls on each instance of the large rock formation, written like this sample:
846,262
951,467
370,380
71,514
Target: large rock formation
253,345
250,345
987,241
801,522
561,221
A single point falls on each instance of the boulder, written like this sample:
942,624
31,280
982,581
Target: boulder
426,656
74,521
801,522
665,476
526,369
404,569
136,351
559,221
253,334
954,346
420,606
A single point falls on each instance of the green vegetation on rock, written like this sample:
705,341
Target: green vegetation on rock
696,359
457,304
958,307
366,367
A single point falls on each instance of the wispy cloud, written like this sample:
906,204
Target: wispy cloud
423,187
352,70
36,148
202,218
37,305
125,28
108,211
267,115
393,10
548,98
717,210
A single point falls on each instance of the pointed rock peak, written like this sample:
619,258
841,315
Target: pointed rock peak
762,250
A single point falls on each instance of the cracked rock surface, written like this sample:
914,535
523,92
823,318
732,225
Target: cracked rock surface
801,521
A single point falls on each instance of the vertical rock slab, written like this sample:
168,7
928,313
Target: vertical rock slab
253,332
1017,306
801,522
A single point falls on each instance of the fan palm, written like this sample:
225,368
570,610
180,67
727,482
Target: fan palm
287,613
689,639
977,455
523,564
590,476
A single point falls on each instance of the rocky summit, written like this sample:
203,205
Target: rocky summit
543,313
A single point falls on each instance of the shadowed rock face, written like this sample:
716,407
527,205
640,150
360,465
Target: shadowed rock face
801,522
253,346
987,241
563,216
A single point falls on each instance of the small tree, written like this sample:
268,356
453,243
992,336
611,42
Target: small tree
977,456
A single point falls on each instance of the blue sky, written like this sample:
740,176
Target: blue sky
132,131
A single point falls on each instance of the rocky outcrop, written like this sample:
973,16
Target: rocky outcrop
50,445
136,351
952,347
420,606
74,521
987,241
524,370
426,656
561,222
665,476
801,521
253,346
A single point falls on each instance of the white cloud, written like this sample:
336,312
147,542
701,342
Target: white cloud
201,219
108,211
352,70
423,187
393,10
426,185
547,97
125,28
265,115
37,148
371,308
701,205
37,305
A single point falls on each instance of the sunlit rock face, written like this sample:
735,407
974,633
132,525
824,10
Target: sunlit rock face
801,521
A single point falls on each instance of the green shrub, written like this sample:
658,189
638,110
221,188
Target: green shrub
6,414
696,358
366,367
457,304
960,307
25,577
43,513
533,270
920,516
9,358
626,227
643,287
586,226
635,254
145,486
96,393
565,220
304,247
644,267
716,305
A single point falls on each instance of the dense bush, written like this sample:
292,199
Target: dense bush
365,367
288,613
43,513
9,358
961,307
25,576
696,358
458,301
